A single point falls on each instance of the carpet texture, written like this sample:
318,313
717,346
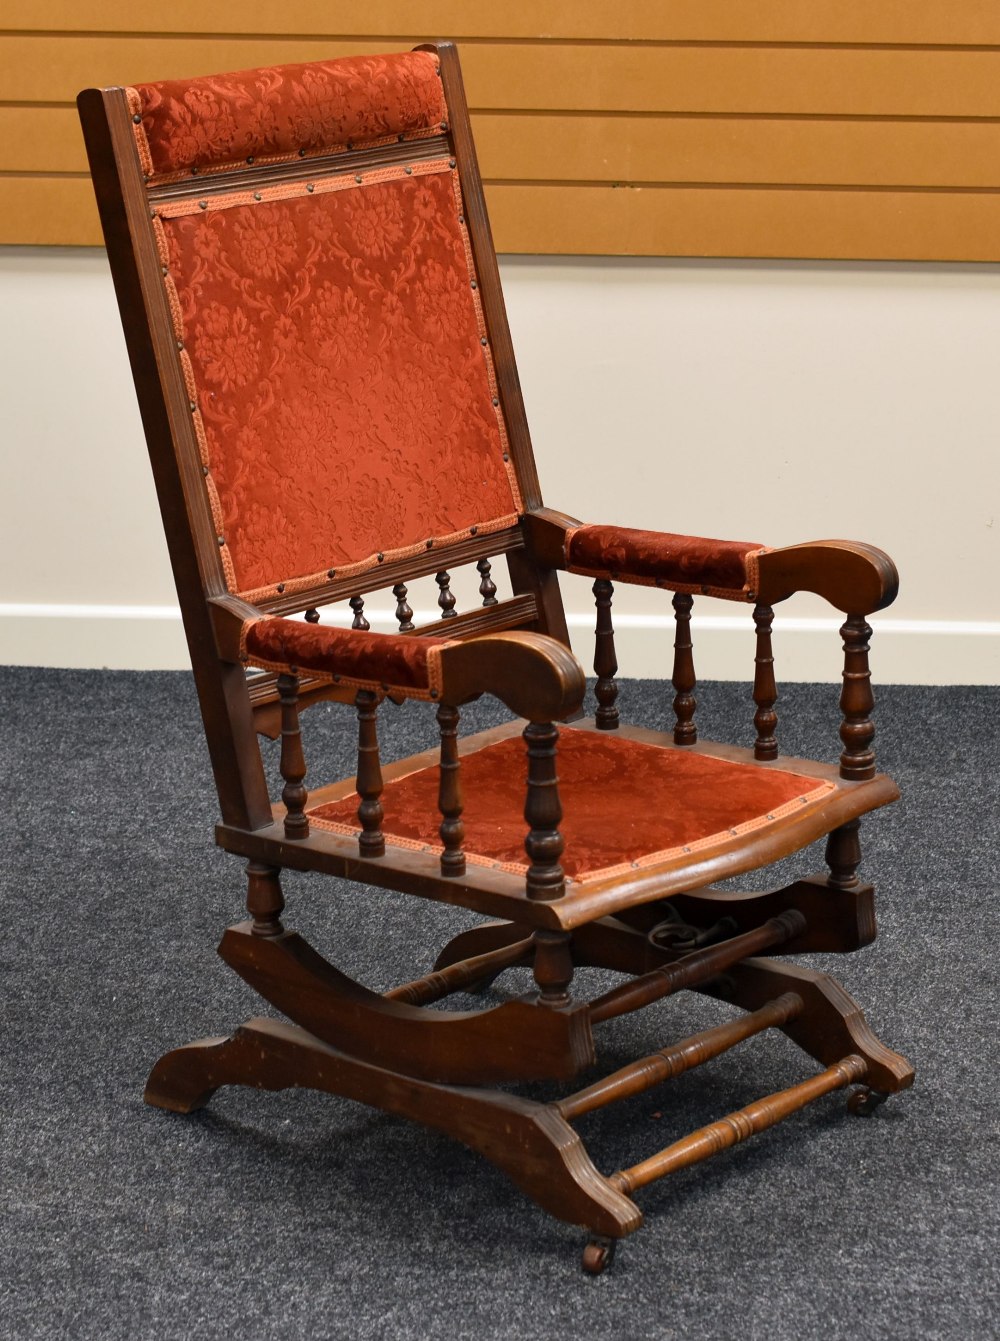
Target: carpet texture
300,1215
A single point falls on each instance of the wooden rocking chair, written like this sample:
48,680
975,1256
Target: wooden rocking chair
315,324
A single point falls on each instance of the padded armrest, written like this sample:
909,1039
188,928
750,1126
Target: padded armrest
854,577
383,662
534,675
725,568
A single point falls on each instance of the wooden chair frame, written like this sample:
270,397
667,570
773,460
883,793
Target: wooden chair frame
664,925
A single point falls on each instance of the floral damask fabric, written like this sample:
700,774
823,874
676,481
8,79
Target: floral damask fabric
197,124
657,558
381,661
341,381
623,802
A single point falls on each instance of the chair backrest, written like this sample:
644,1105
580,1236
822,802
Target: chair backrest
312,305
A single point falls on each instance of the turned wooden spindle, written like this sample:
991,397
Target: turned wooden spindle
765,692
673,1061
293,763
452,829
553,967
446,597
857,730
265,901
843,855
737,1127
605,660
357,604
697,967
543,811
371,840
404,614
469,974
683,678
312,615
487,587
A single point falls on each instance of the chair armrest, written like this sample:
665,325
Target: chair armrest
534,675
383,662
725,568
854,577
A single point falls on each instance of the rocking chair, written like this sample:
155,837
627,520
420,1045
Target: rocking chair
311,300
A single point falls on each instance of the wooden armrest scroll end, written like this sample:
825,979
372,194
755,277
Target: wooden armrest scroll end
535,676
855,578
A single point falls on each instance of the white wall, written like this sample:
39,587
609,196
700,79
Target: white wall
752,400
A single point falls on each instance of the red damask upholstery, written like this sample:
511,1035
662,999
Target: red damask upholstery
287,110
657,558
372,660
624,802
330,331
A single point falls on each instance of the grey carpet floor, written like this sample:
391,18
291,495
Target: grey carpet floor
299,1215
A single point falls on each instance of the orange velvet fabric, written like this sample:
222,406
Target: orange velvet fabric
341,384
623,801
199,123
659,557
392,660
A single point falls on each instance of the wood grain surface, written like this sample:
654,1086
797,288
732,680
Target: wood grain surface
790,129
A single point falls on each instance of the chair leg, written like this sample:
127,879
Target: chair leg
530,1142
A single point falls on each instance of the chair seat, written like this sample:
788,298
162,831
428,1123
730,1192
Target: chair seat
628,803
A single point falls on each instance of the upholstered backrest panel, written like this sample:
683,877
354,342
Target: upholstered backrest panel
284,111
340,376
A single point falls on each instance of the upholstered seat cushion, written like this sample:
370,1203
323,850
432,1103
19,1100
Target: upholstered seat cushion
626,803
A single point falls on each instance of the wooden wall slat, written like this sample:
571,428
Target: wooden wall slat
739,150
768,80
624,221
943,22
41,139
54,69
837,225
840,128
49,212
527,147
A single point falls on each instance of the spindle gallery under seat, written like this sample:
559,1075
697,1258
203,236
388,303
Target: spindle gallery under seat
311,300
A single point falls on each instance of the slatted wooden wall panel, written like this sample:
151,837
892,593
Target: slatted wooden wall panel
810,128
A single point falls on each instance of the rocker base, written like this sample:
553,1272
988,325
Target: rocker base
416,1063
530,1142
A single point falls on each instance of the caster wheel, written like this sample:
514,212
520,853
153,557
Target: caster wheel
863,1102
598,1255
